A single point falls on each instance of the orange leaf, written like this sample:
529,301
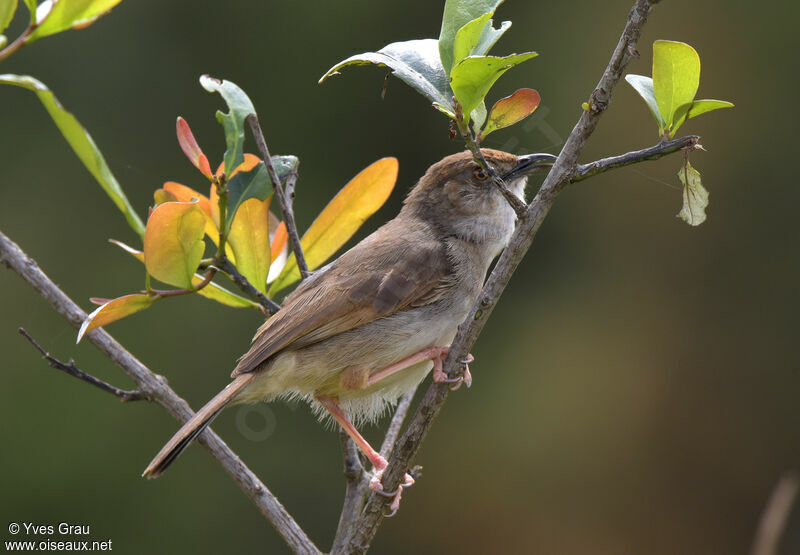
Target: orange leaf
511,109
160,196
173,242
280,247
182,193
279,240
250,162
191,149
139,255
345,213
114,310
249,240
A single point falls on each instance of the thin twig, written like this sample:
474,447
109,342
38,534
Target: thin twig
520,242
155,387
584,171
269,306
286,208
776,515
397,423
75,372
355,493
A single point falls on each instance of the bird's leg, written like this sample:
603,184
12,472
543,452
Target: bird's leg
437,355
374,457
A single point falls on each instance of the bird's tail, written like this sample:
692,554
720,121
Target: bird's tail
195,426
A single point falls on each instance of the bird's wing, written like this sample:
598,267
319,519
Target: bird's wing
391,270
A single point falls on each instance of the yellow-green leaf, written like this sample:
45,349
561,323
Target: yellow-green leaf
695,196
173,242
7,10
182,193
211,291
345,213
114,310
82,143
676,76
249,240
54,17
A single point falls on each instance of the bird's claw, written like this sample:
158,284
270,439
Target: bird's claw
376,486
465,378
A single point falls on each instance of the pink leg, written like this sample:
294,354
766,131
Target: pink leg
374,457
437,355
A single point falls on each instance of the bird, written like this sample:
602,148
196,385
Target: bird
357,334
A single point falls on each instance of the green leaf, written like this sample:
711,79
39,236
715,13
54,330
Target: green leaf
472,78
457,14
676,76
478,115
7,10
211,291
512,109
342,217
415,62
115,309
477,37
256,183
695,196
83,145
688,111
644,86
68,14
240,107
173,242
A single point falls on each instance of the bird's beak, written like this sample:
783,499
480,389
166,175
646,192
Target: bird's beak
530,163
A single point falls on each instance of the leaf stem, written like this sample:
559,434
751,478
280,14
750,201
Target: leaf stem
18,43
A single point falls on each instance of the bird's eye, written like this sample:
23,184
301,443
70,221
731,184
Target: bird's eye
479,174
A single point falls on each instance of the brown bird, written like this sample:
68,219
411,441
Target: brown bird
360,332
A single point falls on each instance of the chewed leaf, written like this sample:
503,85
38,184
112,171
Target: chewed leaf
82,143
472,78
457,14
477,37
114,310
676,76
345,213
644,86
173,242
240,107
415,62
54,17
512,109
249,240
191,149
695,196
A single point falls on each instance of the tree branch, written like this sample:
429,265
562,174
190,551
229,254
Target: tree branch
286,207
75,372
523,236
584,171
155,388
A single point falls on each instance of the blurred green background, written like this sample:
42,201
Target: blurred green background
636,391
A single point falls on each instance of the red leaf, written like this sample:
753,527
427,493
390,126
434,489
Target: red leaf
191,149
511,109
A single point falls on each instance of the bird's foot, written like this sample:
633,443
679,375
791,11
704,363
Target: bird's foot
440,377
376,486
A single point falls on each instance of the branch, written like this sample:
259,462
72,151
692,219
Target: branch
286,207
776,515
75,372
521,240
584,171
270,306
155,388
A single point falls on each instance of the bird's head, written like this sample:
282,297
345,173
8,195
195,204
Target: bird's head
459,197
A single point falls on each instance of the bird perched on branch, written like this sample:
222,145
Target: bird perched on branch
359,333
